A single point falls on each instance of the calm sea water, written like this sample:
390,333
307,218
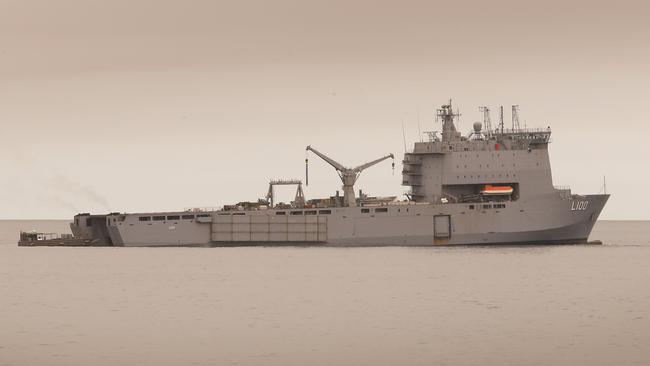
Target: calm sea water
542,305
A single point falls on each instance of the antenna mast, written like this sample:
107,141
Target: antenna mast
403,136
419,129
447,115
501,119
515,118
487,123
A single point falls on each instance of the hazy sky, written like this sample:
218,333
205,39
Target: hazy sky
161,105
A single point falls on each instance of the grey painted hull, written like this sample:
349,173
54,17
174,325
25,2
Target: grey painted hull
552,220
451,202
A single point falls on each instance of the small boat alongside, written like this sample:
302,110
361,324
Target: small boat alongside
36,239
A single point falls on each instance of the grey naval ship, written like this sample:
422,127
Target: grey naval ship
492,186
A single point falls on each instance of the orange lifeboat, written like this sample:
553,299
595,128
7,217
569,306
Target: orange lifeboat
490,190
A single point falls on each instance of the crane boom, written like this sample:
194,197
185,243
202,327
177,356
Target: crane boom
365,166
349,176
329,160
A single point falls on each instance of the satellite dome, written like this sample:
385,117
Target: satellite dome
478,127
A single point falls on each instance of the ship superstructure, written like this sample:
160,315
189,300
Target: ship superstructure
493,186
455,169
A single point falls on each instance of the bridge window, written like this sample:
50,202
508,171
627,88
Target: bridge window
382,209
365,210
174,217
203,215
296,212
471,207
159,218
188,217
324,212
310,212
144,218
280,213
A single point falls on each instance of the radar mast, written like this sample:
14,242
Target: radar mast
446,114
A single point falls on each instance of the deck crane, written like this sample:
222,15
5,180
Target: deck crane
349,175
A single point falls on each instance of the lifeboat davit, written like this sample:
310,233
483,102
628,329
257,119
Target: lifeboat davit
490,190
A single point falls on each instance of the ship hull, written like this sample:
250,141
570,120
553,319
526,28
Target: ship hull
545,220
493,188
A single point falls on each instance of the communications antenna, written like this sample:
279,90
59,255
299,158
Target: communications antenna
515,118
404,136
419,129
501,119
487,123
